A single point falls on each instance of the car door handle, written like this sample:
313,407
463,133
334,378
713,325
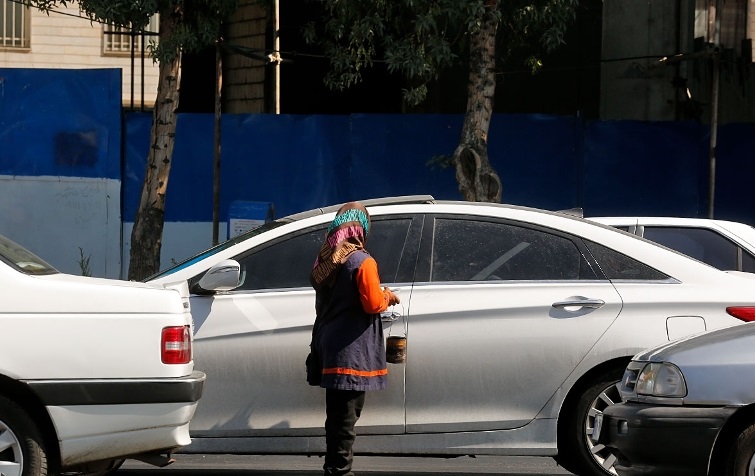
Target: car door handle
579,302
389,316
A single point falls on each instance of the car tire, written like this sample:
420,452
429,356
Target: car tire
741,458
576,451
22,442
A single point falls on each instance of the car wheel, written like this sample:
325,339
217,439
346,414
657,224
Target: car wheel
576,450
22,449
741,459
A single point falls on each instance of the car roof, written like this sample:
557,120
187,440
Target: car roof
736,230
664,220
421,199
399,200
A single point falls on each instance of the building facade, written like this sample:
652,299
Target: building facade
658,60
66,39
246,61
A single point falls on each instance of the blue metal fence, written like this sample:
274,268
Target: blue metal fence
68,123
302,162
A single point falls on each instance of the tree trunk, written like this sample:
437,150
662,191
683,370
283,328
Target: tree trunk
146,237
478,181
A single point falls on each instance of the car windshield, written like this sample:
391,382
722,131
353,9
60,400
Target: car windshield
22,259
218,248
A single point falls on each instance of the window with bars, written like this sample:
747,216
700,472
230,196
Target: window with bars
118,39
14,24
732,22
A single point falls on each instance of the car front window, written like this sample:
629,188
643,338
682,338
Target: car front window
478,250
217,248
287,262
22,259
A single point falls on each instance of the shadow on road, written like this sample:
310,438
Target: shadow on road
241,465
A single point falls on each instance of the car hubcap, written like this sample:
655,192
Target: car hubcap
602,456
751,468
11,458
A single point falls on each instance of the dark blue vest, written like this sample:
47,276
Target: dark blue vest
349,341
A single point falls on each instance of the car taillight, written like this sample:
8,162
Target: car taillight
746,314
175,347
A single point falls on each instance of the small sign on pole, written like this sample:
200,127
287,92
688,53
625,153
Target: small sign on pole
244,216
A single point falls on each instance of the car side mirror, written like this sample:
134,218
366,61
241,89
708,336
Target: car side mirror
223,276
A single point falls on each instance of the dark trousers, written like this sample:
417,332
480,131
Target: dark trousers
342,409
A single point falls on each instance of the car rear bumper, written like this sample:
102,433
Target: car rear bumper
119,391
662,440
112,419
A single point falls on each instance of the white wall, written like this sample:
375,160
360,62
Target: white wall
55,216
181,240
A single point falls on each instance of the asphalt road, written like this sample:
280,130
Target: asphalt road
236,465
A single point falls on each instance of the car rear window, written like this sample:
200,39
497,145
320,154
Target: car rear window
618,266
22,259
703,245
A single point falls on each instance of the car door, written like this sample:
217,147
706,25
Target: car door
501,313
252,342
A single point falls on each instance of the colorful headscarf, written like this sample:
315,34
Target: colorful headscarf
346,234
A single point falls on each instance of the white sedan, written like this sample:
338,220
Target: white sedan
727,245
92,371
519,323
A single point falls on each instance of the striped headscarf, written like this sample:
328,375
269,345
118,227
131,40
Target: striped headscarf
346,234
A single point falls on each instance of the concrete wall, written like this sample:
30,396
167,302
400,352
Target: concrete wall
63,219
635,36
636,86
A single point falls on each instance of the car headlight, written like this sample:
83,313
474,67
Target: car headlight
661,380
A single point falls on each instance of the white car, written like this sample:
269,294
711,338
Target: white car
92,371
519,323
724,244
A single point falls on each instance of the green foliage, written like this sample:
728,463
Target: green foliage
537,23
83,263
440,162
196,23
421,38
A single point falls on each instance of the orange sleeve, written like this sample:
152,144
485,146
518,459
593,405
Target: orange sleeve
371,295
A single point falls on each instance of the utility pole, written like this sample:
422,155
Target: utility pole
276,56
714,32
216,159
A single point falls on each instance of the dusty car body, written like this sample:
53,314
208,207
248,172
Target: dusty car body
519,323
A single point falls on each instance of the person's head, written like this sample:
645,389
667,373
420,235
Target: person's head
347,233
352,222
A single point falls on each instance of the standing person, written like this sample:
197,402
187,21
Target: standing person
347,338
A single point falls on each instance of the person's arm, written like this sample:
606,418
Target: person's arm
374,299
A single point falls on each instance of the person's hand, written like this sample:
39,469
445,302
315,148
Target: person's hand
392,298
